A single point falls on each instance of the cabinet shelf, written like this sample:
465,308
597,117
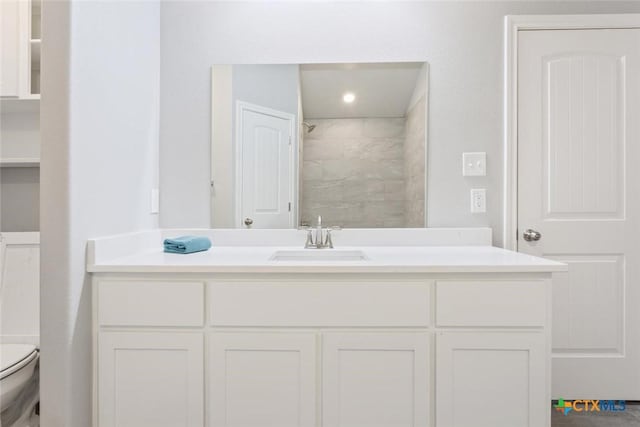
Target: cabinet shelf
20,162
20,105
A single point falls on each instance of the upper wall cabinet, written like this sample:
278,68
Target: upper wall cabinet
20,49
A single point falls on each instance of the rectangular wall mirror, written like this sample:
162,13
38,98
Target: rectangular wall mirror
292,142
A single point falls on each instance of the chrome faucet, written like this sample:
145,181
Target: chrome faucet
319,233
322,238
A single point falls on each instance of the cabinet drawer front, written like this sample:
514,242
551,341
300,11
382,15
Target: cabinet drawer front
490,303
150,303
319,304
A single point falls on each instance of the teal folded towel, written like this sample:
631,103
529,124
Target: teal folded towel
186,244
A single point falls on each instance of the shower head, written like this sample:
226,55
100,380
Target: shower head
310,128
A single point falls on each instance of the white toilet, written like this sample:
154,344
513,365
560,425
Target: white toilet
19,328
17,363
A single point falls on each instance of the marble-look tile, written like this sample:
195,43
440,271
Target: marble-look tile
414,213
364,190
414,188
323,149
384,127
340,170
374,149
379,169
354,172
394,189
335,128
414,165
311,170
395,222
334,213
322,190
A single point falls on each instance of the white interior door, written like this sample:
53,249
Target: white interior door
579,187
265,169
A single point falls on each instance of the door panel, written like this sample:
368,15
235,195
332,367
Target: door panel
578,185
150,379
375,380
262,379
266,169
585,144
491,379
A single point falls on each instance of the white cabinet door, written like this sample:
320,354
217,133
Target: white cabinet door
9,48
262,379
486,379
375,380
152,379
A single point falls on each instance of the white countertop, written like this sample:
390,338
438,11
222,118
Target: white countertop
381,259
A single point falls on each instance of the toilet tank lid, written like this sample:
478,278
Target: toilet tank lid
13,354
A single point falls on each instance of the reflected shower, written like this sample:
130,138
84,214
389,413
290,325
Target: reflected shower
309,127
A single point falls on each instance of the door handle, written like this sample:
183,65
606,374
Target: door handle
531,235
248,221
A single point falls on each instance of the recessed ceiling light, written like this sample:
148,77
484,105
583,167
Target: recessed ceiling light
348,97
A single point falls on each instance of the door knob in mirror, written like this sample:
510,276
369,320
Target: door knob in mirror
248,221
531,235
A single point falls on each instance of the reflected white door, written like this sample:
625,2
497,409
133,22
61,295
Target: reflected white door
265,168
579,186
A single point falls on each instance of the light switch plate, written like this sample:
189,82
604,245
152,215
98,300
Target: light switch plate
155,201
474,164
478,200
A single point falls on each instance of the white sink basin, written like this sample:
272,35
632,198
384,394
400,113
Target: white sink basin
309,255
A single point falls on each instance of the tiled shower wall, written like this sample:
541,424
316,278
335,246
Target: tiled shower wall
353,173
414,165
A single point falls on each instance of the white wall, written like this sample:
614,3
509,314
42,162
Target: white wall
269,86
462,41
100,110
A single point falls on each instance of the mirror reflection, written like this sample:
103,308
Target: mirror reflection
343,141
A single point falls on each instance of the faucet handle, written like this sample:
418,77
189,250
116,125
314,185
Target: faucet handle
309,243
328,243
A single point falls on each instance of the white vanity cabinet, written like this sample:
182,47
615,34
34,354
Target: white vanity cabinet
376,379
149,353
491,379
322,350
151,379
262,379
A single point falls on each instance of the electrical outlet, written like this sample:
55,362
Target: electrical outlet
474,164
478,200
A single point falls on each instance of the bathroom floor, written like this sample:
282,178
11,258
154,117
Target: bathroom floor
629,418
